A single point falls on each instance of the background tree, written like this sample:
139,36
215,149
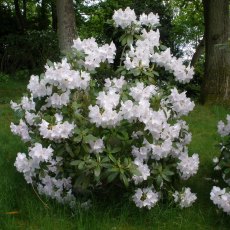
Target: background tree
216,86
66,24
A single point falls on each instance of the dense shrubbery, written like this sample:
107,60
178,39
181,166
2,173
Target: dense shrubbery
221,197
128,131
28,51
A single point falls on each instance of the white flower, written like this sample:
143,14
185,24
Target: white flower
39,153
108,100
15,106
151,19
29,117
97,146
140,153
27,103
21,130
124,18
180,103
161,151
141,93
185,198
95,54
215,160
182,73
146,197
115,84
56,132
221,198
223,129
143,170
26,166
58,101
38,89
188,166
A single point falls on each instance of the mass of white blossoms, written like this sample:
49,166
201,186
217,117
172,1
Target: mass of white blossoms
83,134
221,197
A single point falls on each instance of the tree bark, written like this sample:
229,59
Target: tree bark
216,87
66,24
198,52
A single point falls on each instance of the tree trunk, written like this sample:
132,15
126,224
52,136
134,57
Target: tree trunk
198,52
216,87
66,24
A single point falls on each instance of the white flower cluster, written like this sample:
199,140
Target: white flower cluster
180,103
221,198
174,65
56,132
95,54
143,52
224,130
188,165
21,130
127,18
59,189
37,155
124,18
146,197
155,122
111,110
184,199
97,146
55,89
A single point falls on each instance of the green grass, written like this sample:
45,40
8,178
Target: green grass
111,212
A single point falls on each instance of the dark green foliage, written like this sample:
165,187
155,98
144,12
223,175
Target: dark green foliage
28,51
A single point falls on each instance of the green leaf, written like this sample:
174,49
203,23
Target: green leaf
112,158
124,179
124,41
75,163
156,73
81,165
97,171
77,139
168,173
77,150
89,138
166,178
112,177
115,150
159,180
129,39
150,74
69,150
113,170
135,171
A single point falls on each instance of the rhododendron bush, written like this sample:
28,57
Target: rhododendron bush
129,131
221,197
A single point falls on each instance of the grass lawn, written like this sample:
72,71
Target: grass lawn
20,207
